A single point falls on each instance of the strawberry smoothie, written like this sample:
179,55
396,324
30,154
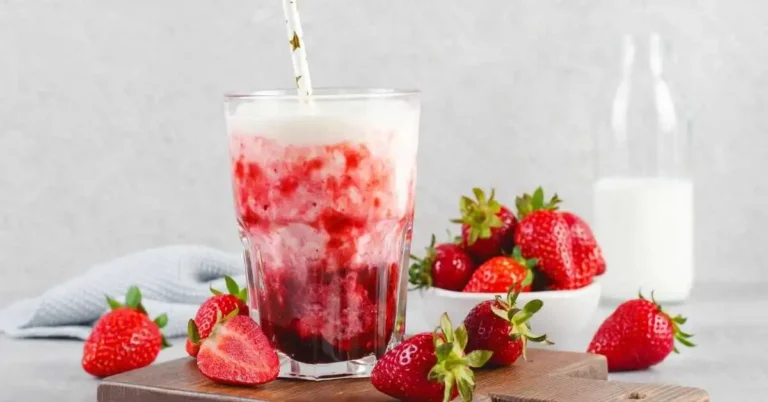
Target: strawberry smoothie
324,197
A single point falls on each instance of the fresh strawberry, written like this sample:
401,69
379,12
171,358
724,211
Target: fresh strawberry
238,352
585,247
638,335
200,327
430,367
446,266
544,234
498,274
124,339
502,328
487,227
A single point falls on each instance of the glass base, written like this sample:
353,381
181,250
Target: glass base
360,368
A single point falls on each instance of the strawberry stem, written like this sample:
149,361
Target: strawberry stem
453,367
480,215
530,203
420,272
518,318
676,322
232,288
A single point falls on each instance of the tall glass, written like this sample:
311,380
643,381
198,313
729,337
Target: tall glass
324,197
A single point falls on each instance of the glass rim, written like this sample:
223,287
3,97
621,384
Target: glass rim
329,93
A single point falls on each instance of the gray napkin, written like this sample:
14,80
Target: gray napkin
173,280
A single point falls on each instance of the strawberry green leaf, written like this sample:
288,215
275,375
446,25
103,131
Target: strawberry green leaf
527,312
133,297
443,351
192,333
485,233
214,291
538,198
165,343
465,389
448,381
478,358
480,195
161,320
141,309
528,277
473,235
512,293
539,338
680,319
682,334
446,327
461,336
113,304
232,287
243,295
499,312
232,314
685,342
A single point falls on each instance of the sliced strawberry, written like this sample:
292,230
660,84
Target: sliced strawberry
237,352
206,315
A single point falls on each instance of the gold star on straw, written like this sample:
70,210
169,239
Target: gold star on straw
298,77
295,41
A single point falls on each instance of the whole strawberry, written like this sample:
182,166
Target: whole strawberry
585,247
498,274
237,352
430,366
220,303
544,234
487,227
638,335
124,339
502,328
446,266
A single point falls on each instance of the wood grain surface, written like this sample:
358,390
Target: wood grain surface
550,376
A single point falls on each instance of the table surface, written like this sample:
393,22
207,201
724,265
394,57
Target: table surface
730,323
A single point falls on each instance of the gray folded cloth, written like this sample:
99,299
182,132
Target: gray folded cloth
173,280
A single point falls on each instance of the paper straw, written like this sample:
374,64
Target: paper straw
298,51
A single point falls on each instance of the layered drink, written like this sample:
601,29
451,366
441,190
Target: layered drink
324,196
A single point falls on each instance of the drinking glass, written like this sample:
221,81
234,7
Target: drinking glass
324,198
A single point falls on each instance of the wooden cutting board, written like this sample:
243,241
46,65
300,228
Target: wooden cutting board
548,376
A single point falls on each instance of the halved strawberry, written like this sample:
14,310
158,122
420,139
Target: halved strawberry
238,352
200,327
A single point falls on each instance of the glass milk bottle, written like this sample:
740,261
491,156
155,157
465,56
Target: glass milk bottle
643,194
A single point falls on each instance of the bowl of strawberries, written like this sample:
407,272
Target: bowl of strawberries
539,250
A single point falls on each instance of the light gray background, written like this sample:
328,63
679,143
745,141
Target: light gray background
112,136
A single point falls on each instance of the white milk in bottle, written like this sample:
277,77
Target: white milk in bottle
643,195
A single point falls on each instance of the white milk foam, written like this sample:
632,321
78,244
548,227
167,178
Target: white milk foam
389,127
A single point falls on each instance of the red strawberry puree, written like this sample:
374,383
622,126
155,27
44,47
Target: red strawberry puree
326,227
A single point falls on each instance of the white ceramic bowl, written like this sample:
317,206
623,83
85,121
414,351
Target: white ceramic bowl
563,317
